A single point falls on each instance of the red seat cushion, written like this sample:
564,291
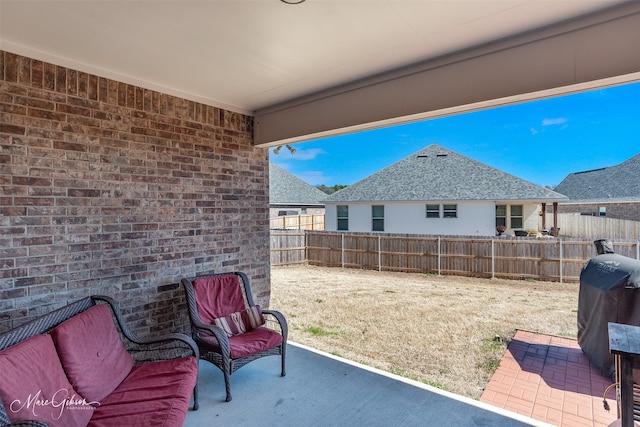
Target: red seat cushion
92,353
252,342
34,386
154,394
218,296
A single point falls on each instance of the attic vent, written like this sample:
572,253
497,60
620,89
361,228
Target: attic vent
441,155
422,156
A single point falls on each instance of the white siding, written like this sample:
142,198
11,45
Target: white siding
360,217
330,219
532,221
475,218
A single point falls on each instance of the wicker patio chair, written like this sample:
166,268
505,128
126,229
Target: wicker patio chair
222,323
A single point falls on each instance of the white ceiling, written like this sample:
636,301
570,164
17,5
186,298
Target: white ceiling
246,55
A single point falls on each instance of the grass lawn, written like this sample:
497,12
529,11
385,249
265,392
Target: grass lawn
446,331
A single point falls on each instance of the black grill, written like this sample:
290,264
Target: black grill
609,292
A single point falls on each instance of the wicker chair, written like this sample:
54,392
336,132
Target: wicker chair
212,297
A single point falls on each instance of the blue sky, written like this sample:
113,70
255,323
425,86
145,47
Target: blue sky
541,141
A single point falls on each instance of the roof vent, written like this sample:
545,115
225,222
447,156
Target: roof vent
424,156
592,170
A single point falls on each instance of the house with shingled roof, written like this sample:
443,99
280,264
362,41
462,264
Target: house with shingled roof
612,191
438,191
290,195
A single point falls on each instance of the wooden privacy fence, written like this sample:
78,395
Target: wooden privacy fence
297,222
584,226
288,247
548,259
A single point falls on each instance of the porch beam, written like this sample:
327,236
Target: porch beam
596,50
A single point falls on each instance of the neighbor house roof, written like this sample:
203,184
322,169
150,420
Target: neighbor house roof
619,182
439,174
288,189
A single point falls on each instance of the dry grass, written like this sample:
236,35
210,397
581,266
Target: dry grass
445,331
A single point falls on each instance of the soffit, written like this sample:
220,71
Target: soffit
247,55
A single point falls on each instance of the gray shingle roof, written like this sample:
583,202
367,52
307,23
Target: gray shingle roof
615,182
439,174
285,188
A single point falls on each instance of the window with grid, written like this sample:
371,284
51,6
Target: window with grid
433,211
501,215
516,216
377,218
449,211
343,217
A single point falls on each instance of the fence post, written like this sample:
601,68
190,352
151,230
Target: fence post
560,242
342,249
379,253
493,258
438,255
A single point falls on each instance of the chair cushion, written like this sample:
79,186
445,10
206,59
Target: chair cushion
252,342
92,353
218,296
241,321
154,394
34,386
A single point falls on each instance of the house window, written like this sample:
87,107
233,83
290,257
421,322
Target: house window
516,216
377,218
343,217
433,211
303,211
602,210
501,215
449,211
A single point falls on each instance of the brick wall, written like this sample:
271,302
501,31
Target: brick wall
113,189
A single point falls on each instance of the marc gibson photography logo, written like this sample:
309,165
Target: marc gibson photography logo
60,401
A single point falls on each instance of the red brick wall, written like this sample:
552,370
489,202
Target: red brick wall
113,189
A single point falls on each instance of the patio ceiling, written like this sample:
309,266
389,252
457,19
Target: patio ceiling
275,61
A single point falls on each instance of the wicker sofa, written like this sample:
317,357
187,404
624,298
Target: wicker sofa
81,366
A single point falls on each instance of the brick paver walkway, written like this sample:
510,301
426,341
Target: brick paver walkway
549,378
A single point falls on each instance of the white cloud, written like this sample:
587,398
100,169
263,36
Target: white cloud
308,154
555,121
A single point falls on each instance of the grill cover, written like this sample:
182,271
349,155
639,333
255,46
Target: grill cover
609,292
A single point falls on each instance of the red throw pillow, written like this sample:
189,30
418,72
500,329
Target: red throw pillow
241,321
34,386
92,353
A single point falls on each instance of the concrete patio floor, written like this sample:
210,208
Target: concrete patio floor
323,390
